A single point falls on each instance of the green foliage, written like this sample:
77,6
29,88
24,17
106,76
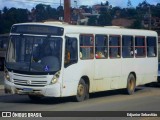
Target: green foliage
104,19
156,10
10,17
92,21
137,24
42,12
131,13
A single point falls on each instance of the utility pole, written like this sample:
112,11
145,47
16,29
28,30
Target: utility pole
150,18
67,11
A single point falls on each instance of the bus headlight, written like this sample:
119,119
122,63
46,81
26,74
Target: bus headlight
6,75
55,78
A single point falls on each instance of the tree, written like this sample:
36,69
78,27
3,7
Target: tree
144,4
0,14
143,7
115,12
5,10
12,16
137,24
41,13
130,13
21,15
52,13
60,12
155,10
1,25
158,5
107,3
92,21
104,19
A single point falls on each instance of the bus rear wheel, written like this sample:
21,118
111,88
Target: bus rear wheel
131,84
82,91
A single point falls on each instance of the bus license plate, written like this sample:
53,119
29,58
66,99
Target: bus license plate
27,90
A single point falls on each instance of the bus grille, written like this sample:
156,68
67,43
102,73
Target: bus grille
30,82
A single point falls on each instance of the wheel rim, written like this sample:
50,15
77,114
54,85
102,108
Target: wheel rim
131,84
80,90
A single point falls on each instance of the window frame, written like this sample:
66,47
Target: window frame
119,47
132,46
70,61
104,46
85,46
144,47
155,47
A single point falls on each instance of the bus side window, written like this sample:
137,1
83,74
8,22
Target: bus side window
127,46
140,46
101,46
151,47
86,46
71,51
114,46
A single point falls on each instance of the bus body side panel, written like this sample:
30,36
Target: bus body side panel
107,74
143,68
146,71
151,75
151,68
72,75
128,67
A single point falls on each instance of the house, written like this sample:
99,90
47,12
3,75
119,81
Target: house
122,22
155,22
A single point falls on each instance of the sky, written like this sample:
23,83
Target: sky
29,4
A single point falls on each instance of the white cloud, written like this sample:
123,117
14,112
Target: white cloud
29,4
121,3
89,2
16,4
155,2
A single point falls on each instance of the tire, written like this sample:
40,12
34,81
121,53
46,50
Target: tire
82,91
131,84
1,64
158,80
34,98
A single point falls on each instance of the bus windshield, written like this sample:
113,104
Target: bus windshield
34,54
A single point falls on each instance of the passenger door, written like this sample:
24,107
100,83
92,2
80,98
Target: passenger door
70,71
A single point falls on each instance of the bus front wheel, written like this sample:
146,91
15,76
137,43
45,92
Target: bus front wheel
131,84
82,91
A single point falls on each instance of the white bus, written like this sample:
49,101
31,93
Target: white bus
57,60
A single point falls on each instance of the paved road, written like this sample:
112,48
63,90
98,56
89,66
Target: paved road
145,99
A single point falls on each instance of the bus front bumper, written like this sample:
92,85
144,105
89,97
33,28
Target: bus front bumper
47,91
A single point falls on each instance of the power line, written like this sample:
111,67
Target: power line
36,1
29,1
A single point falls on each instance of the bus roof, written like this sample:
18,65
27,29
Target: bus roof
74,29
